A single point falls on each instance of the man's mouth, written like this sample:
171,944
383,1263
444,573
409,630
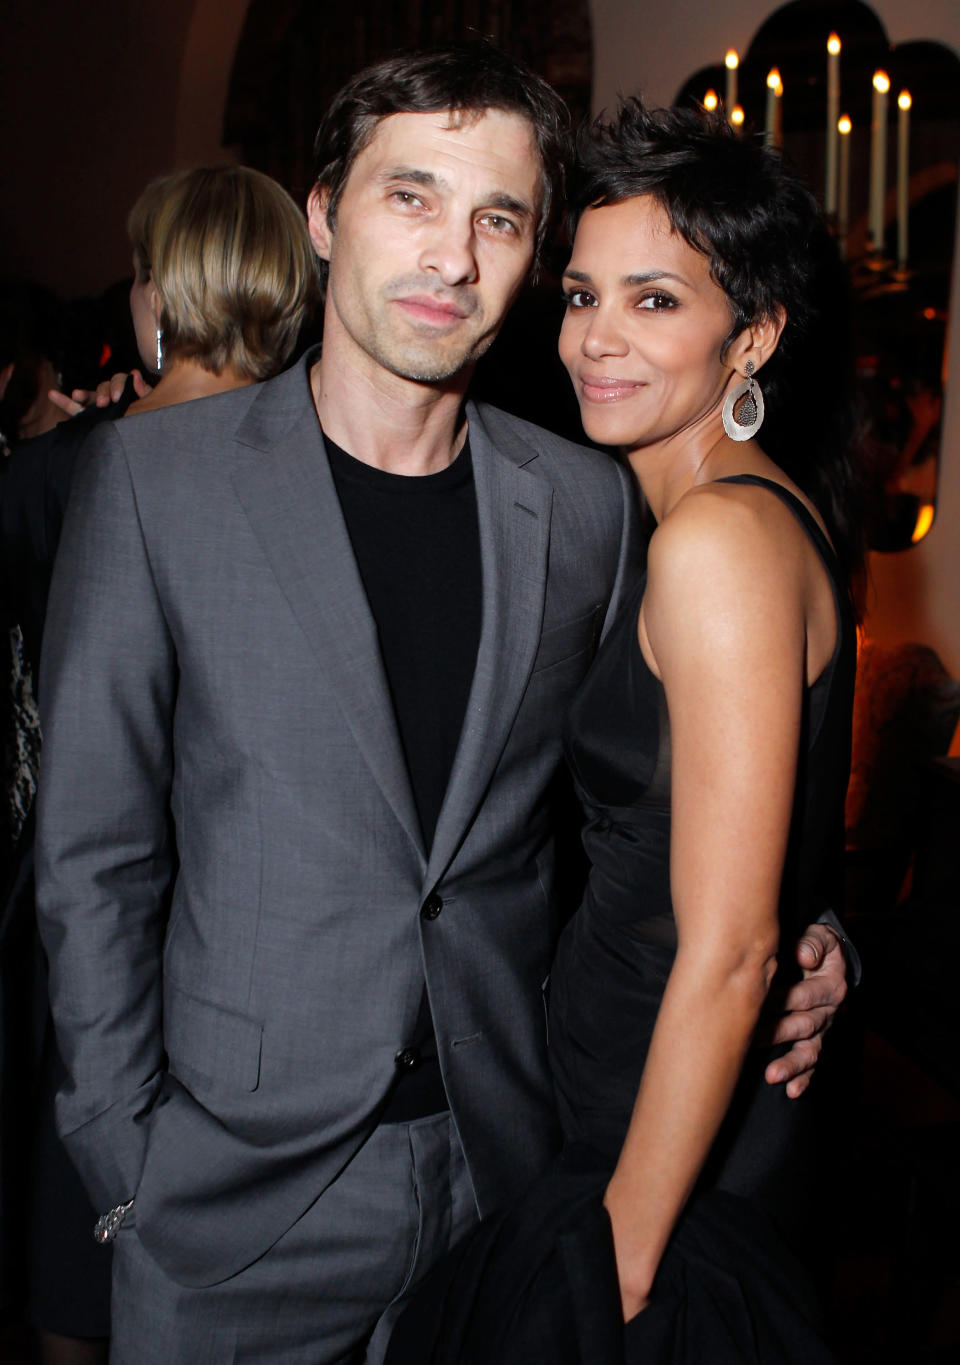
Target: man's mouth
432,311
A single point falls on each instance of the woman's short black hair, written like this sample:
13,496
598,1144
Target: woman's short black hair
735,200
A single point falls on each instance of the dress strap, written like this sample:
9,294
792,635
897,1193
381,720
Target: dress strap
802,514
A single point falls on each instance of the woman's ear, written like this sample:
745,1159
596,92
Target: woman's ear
756,343
153,299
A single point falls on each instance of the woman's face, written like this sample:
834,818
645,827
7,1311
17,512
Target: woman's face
143,310
644,327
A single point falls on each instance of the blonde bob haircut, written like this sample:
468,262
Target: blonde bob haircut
229,254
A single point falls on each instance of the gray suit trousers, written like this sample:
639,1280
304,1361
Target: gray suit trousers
318,1295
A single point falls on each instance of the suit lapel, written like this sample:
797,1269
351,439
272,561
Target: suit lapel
514,515
288,495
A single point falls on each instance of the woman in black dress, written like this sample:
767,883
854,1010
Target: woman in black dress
709,746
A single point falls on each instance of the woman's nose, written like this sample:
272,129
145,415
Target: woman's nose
603,336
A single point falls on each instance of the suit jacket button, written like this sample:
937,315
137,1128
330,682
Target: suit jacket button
432,906
407,1059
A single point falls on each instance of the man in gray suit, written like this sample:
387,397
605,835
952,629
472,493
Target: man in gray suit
308,653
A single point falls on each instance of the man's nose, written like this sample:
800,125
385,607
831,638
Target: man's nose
450,252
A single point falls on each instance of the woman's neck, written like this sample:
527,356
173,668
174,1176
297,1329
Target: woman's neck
669,468
184,380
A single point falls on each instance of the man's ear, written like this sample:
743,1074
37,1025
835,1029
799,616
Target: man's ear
756,343
320,233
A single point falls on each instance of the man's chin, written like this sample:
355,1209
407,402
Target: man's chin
436,368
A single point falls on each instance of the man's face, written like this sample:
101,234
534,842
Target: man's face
434,237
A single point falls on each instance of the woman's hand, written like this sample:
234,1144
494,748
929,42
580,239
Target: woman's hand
634,1275
107,391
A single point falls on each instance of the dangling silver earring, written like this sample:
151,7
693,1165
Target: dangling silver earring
740,423
159,351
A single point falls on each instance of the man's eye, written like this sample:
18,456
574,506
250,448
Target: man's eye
406,198
579,298
496,223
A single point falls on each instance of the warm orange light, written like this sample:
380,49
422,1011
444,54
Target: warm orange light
930,314
844,124
833,45
924,522
736,115
903,99
773,80
731,61
710,100
881,82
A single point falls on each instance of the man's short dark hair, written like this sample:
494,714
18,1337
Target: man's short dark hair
466,78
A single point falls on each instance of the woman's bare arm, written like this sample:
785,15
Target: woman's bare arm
723,623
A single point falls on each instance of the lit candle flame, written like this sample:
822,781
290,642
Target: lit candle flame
710,100
773,80
731,61
736,115
833,45
903,99
881,82
844,124
924,522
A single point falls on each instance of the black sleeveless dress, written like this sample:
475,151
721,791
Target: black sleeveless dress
539,1281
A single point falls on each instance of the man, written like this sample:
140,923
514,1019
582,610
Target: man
308,654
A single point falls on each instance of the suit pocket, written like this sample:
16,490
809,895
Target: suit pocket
205,1041
565,641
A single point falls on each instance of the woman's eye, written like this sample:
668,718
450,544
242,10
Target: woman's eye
657,303
579,298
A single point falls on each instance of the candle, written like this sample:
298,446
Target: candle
833,113
774,95
731,61
737,116
844,125
903,177
878,158
710,101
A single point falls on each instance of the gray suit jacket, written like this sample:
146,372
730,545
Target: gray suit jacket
230,866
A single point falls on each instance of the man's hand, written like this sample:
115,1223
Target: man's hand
107,391
809,1009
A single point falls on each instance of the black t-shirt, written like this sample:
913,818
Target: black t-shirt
417,544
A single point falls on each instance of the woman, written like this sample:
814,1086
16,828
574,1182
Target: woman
709,745
225,276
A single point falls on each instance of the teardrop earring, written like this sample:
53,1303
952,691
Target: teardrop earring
743,409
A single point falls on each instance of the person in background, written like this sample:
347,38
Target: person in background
225,276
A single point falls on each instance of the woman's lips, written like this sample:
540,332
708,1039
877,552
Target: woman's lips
606,389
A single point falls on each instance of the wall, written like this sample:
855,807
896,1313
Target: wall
89,100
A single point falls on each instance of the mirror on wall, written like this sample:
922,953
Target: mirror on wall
874,129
